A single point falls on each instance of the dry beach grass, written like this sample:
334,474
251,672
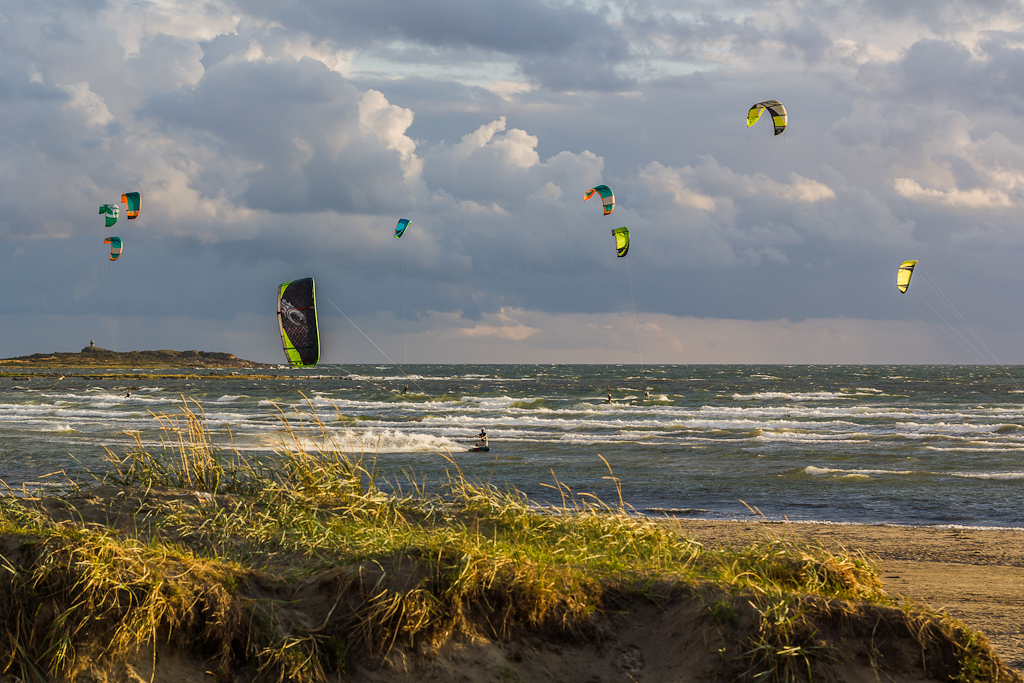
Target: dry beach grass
191,561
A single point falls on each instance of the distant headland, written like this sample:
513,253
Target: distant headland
93,356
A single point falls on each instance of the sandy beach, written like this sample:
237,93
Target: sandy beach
974,575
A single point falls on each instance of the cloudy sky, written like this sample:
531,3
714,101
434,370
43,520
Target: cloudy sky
279,139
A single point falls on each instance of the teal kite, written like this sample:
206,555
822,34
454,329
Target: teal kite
133,204
115,247
111,212
403,223
606,196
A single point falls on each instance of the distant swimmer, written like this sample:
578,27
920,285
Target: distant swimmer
481,438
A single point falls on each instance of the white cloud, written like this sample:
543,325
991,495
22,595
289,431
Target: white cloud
506,327
976,198
87,104
388,123
515,148
673,182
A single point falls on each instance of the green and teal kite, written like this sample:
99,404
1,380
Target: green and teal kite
111,212
115,247
606,196
133,204
779,116
621,241
403,223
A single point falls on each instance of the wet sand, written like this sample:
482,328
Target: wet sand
976,576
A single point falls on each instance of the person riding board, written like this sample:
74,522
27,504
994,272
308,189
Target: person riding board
481,439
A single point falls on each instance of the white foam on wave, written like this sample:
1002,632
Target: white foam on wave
228,398
988,475
57,428
813,437
492,402
824,471
379,441
790,396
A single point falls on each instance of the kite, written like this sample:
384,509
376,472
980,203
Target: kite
606,196
115,247
133,204
296,316
903,275
111,212
779,116
403,223
621,241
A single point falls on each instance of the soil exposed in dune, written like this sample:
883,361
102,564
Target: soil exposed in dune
976,575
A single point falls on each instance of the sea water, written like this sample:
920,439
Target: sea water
921,445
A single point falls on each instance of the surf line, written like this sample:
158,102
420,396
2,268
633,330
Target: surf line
400,369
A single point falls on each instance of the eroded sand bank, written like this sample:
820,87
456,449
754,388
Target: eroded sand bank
974,575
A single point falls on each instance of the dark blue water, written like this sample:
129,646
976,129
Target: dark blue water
879,444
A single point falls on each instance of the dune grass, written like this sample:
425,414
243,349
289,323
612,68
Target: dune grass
373,566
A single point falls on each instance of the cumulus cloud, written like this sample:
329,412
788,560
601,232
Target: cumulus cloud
388,123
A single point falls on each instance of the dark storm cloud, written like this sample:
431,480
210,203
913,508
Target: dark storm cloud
947,72
522,26
555,44
582,68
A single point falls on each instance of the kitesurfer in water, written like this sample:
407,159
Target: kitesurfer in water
128,394
405,389
647,394
609,397
481,438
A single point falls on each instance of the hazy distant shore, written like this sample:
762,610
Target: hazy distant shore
96,357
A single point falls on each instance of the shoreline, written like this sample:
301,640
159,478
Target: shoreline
974,575
824,522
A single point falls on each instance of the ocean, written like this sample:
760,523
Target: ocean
909,445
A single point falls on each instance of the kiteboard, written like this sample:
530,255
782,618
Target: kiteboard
480,449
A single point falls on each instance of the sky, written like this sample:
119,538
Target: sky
273,140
